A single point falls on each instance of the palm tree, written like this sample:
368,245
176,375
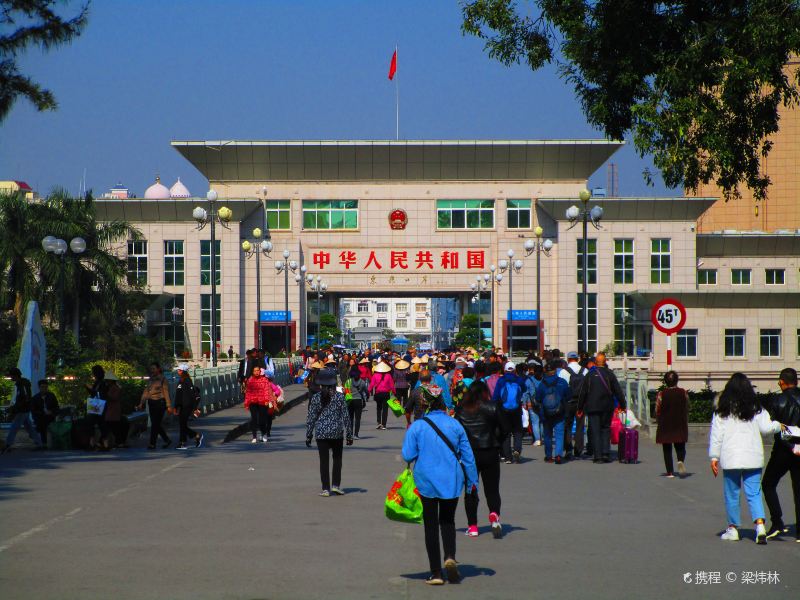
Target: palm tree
97,278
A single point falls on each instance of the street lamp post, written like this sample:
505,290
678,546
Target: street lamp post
257,249
58,247
284,266
302,319
594,216
538,245
320,287
210,217
512,266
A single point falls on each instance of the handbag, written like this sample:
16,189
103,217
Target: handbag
403,503
616,428
95,406
395,406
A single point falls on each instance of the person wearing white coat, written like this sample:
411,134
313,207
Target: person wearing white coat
736,446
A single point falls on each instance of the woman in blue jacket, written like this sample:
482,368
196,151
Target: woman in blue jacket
439,475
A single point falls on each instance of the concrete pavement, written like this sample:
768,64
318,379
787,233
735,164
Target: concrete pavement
237,521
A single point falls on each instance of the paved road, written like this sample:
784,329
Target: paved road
238,522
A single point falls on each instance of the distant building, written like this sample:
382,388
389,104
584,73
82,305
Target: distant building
367,318
12,187
118,192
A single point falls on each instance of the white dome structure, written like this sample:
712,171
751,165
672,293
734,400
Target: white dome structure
157,191
178,190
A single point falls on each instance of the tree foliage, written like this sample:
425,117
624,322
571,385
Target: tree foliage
26,23
697,83
470,332
328,331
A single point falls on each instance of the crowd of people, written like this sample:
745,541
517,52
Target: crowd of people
467,412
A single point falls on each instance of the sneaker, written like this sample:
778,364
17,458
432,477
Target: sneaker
548,459
435,579
472,531
681,468
670,476
324,493
198,441
776,530
538,443
731,534
337,490
151,447
507,461
558,460
259,438
378,428
515,456
180,447
254,441
265,439
451,568
761,534
497,528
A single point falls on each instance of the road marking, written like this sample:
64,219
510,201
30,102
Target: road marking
670,489
39,528
136,484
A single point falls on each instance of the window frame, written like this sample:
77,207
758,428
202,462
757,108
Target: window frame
175,257
591,345
362,304
706,272
382,307
591,259
279,208
482,210
423,320
384,320
625,272
770,338
401,323
732,335
205,322
657,259
318,207
625,334
681,337
205,262
740,272
139,274
519,211
774,272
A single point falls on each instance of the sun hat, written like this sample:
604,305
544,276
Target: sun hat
326,377
416,360
364,361
510,366
402,364
181,367
317,365
382,367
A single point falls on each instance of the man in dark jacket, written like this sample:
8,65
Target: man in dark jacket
21,410
187,397
785,409
600,388
508,397
44,408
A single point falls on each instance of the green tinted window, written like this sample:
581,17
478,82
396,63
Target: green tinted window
465,214
330,214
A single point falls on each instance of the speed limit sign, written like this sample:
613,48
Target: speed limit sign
668,316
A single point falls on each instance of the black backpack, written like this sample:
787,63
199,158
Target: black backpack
576,382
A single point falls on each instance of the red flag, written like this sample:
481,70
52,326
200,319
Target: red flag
393,66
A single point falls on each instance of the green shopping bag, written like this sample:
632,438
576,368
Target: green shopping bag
403,502
395,406
348,391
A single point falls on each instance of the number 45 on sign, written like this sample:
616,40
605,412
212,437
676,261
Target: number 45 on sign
668,316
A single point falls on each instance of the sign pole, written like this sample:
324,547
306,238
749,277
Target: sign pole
669,352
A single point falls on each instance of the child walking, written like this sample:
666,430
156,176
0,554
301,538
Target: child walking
736,446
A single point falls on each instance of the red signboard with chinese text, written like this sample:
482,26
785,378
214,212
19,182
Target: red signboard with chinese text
396,260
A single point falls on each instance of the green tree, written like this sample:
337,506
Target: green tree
697,83
387,333
470,332
26,23
328,331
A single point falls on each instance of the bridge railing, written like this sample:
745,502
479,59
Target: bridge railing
634,385
219,386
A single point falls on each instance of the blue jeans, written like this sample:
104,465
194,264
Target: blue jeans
553,427
535,424
734,480
23,420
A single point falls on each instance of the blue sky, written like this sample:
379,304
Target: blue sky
146,72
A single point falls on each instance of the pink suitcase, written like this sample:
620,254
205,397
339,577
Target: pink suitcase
629,446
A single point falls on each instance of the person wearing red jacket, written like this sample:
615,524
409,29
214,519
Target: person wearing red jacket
259,398
382,385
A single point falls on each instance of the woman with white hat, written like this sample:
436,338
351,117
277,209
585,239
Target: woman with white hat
382,385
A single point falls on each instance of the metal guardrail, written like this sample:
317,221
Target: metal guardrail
219,387
634,385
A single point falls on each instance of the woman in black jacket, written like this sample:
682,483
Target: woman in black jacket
478,415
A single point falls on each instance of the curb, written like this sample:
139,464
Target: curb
244,428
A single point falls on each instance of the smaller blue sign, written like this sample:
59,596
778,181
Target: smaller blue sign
273,316
523,315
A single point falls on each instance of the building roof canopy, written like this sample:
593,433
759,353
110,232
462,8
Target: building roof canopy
632,209
407,160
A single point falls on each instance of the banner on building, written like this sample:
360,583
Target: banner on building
394,260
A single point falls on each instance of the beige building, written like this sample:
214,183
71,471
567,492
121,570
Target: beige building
413,219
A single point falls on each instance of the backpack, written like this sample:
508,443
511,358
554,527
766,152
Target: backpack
511,396
551,403
457,394
576,382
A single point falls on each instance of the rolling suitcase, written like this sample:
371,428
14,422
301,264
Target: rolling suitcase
629,446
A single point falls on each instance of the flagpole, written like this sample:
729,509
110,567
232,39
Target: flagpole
397,102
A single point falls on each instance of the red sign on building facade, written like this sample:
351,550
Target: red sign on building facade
441,260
